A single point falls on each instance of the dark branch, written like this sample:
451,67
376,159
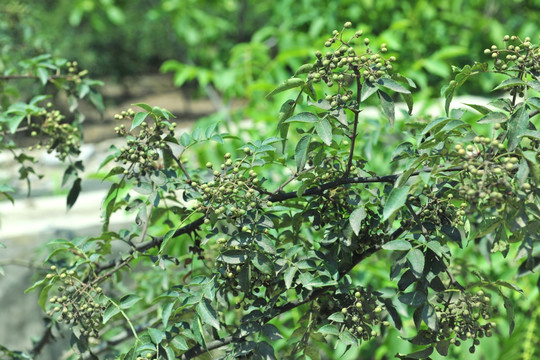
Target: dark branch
317,190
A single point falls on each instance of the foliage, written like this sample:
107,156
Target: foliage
37,117
293,245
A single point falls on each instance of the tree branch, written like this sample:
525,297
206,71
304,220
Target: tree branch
355,126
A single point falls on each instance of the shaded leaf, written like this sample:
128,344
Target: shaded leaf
356,218
414,298
271,332
324,130
397,245
300,153
392,85
387,106
289,275
73,193
368,89
395,201
429,316
493,117
233,256
207,313
509,83
416,260
516,127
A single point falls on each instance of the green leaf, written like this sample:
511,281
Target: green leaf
413,298
271,332
262,263
395,201
392,85
517,126
43,296
43,75
207,313
337,317
288,276
97,100
301,151
368,89
348,339
416,260
286,85
156,335
421,354
285,112
397,245
303,69
534,101
129,300
13,122
356,218
303,117
409,101
166,311
138,119
233,256
534,84
111,311
324,130
387,106
144,106
509,286
509,306
198,331
509,83
493,117
480,108
179,343
430,317
117,170
73,193
329,329
442,347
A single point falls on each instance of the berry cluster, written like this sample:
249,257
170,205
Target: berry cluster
487,175
459,318
362,312
77,303
233,190
55,134
344,64
519,56
143,150
74,74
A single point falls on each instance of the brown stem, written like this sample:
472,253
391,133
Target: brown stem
355,125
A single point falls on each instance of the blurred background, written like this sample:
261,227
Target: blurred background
215,60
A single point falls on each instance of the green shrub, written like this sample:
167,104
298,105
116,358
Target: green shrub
327,238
